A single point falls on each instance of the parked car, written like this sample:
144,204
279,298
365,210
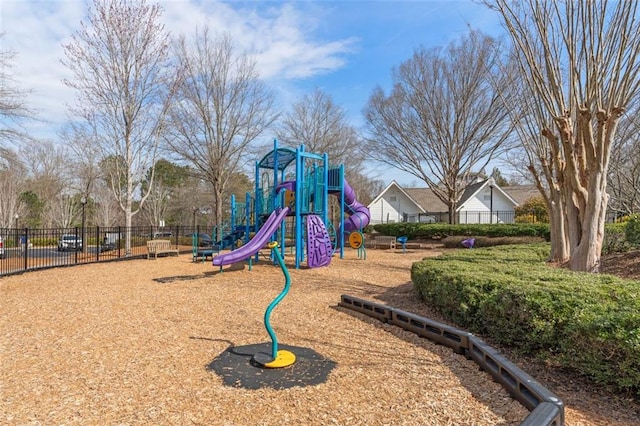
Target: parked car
204,240
69,242
1,248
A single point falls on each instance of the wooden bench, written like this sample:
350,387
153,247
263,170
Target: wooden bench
156,247
383,241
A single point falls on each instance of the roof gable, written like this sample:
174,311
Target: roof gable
473,189
395,185
426,199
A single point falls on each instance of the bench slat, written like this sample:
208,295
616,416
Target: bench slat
383,240
155,247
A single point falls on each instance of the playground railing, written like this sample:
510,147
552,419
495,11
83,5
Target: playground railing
546,409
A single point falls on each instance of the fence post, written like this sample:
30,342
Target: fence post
98,245
75,251
25,252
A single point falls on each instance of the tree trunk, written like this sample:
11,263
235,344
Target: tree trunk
127,227
218,214
453,217
586,253
558,229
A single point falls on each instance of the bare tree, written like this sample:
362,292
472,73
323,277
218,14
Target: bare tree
169,178
534,159
624,171
12,174
85,153
322,126
580,61
122,75
447,114
222,107
316,122
49,177
13,109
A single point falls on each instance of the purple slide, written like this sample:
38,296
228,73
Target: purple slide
360,215
256,243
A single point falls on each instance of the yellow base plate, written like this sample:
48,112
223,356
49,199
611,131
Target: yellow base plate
283,359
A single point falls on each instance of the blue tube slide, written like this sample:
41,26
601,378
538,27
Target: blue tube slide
256,243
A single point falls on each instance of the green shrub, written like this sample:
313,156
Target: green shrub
43,241
532,211
586,322
615,240
441,230
456,242
632,230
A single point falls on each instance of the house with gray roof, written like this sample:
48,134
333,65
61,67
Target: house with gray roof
482,201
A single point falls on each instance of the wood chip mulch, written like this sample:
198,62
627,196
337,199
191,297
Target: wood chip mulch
125,343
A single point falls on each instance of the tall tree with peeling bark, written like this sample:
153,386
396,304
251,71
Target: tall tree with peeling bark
446,116
120,63
222,106
580,63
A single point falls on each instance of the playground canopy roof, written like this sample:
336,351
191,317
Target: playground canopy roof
284,156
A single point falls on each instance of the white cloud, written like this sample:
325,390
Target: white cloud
35,30
280,36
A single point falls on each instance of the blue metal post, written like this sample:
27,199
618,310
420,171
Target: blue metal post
299,177
342,207
325,191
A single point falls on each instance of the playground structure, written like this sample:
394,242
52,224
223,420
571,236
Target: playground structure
290,204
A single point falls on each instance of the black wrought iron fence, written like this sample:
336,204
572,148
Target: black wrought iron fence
469,217
23,249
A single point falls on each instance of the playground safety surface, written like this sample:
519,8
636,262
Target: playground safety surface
237,368
167,342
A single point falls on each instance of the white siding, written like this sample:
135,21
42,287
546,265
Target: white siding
477,209
391,206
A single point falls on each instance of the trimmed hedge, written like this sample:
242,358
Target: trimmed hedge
441,230
586,322
456,242
618,237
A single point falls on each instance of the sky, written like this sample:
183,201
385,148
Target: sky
344,48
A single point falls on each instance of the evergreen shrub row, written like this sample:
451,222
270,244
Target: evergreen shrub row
437,231
456,242
618,237
586,322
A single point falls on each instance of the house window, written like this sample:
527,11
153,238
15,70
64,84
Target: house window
393,198
487,197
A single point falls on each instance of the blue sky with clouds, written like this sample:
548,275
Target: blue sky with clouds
345,48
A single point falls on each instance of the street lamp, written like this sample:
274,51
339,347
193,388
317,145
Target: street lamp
195,210
83,201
